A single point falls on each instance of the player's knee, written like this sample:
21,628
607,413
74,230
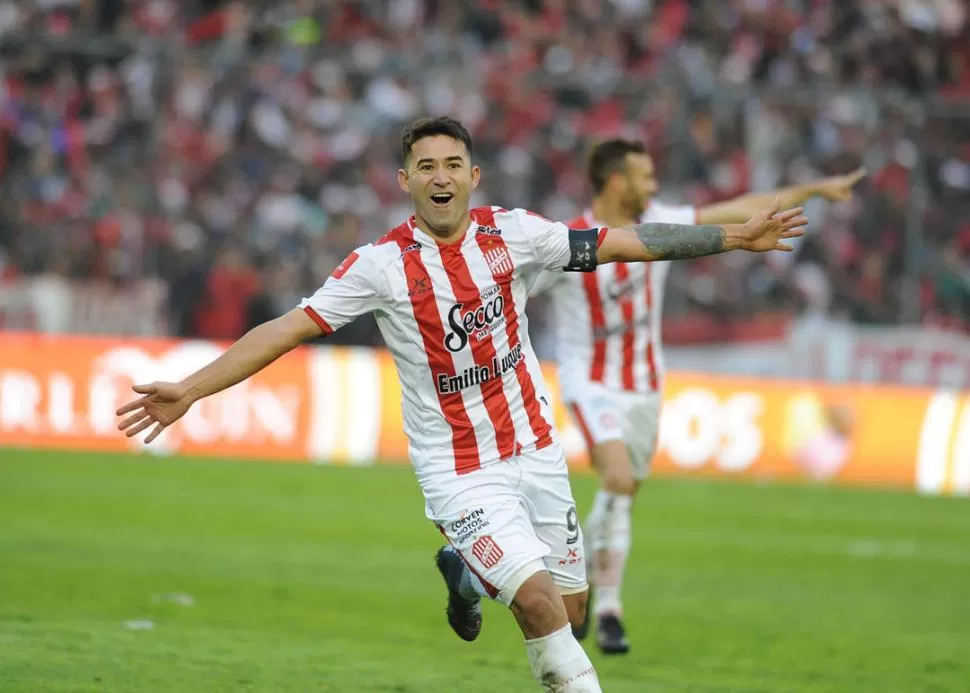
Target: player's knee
576,608
616,468
538,607
620,481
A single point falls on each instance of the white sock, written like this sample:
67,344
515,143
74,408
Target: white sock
611,561
560,664
595,529
606,600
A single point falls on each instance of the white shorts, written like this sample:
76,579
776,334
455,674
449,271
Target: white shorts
512,519
604,414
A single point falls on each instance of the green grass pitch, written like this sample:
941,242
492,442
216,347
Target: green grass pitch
308,578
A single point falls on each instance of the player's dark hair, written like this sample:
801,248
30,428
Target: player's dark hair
429,127
608,157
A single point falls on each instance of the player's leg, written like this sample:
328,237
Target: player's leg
552,511
490,531
472,515
465,590
558,661
640,430
601,419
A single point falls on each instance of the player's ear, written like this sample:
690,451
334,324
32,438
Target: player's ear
476,176
402,180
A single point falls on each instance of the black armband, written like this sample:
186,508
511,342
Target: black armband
582,250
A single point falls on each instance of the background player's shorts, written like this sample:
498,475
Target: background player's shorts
604,414
512,519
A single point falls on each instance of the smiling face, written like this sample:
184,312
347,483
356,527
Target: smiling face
439,177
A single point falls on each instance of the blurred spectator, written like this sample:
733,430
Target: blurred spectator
239,150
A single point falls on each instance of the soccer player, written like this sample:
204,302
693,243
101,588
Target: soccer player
609,359
448,288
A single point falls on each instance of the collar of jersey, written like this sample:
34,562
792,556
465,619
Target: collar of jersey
419,234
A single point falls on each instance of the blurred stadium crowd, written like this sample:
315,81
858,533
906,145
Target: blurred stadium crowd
231,153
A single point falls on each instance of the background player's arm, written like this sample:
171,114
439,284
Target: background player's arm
742,208
652,241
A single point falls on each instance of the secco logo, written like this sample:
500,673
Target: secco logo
478,322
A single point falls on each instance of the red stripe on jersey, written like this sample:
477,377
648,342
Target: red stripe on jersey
597,318
626,306
318,319
468,295
425,308
598,325
651,361
541,428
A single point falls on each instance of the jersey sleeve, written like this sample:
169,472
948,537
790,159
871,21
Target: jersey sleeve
352,290
545,281
559,248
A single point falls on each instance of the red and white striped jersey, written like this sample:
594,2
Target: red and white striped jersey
608,323
453,317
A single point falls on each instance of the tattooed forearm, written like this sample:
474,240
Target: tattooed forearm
680,242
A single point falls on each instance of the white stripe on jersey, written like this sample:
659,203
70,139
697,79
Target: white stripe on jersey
578,356
453,317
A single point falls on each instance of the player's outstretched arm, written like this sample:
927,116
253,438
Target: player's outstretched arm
739,209
163,403
647,242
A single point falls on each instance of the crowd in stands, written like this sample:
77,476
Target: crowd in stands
235,152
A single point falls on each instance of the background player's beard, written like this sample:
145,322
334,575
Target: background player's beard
634,207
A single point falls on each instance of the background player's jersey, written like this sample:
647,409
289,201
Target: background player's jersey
453,317
608,323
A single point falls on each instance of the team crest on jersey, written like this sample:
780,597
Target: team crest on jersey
345,265
411,248
488,230
498,260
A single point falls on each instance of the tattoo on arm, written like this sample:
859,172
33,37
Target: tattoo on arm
680,242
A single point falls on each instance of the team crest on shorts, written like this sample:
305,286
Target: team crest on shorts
487,551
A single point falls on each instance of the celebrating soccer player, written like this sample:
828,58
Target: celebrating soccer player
448,287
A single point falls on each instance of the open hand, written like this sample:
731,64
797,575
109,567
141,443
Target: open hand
769,229
161,404
839,188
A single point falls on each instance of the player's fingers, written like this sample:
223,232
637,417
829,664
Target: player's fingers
795,222
155,433
784,247
789,213
775,206
135,430
149,389
792,233
131,406
133,419
858,174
